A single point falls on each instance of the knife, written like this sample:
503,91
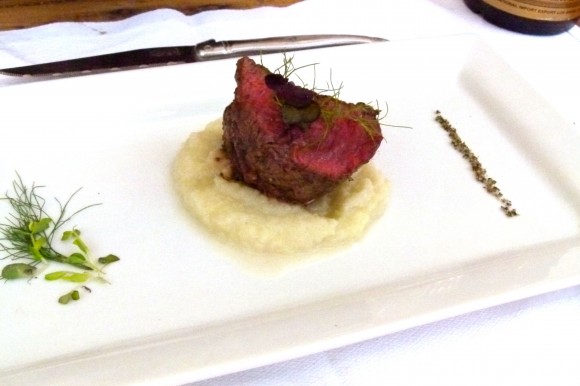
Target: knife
205,51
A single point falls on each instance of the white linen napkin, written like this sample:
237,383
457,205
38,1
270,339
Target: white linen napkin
165,27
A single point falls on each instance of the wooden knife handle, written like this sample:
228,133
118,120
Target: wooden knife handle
16,14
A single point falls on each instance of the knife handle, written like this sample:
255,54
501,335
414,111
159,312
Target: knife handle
211,49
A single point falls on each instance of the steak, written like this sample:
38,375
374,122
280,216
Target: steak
291,143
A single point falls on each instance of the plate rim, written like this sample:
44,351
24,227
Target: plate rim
184,371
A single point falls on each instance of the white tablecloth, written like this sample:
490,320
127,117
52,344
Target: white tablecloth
534,341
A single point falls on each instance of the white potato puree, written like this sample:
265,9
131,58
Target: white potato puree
244,217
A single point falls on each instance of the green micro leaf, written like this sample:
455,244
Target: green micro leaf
76,259
39,226
54,275
65,299
108,259
18,271
81,245
67,235
75,277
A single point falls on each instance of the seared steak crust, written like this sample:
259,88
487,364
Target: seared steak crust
293,161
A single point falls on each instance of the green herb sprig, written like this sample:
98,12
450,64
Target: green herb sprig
289,69
28,237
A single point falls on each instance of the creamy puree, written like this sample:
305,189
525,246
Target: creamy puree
243,217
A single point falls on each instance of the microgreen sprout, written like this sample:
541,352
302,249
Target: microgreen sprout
72,295
382,115
287,69
290,69
331,89
28,237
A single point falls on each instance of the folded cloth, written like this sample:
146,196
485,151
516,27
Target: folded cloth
60,41
167,27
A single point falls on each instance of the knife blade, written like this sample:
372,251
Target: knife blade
205,51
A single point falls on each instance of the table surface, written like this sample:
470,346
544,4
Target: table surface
534,341
29,13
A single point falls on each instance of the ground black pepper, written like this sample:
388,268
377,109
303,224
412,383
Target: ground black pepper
489,184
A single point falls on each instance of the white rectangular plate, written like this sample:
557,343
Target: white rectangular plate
180,307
